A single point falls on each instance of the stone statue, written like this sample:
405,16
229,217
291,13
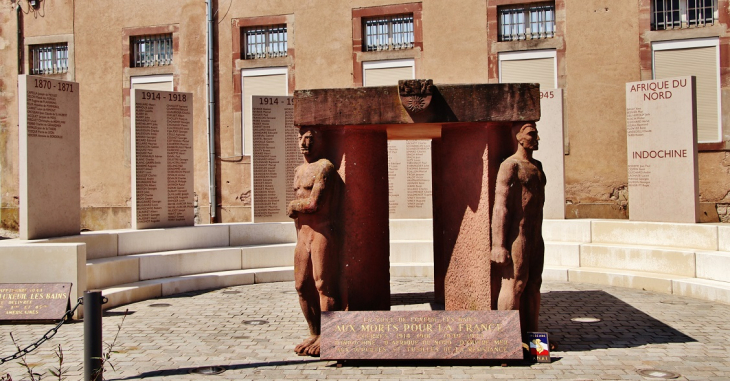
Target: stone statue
518,250
316,260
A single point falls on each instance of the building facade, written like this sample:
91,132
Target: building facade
588,48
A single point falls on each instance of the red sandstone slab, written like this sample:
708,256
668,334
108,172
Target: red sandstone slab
408,335
494,102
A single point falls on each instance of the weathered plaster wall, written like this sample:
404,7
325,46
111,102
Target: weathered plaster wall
598,65
8,117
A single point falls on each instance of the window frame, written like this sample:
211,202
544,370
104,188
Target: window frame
68,39
391,46
53,60
528,8
257,72
267,36
683,16
133,44
690,44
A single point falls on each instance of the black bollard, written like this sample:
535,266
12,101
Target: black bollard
92,335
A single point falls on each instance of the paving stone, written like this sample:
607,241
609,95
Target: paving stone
638,330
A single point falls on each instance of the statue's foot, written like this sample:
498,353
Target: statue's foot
301,349
313,349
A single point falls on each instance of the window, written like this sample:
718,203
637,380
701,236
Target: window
700,58
264,42
680,14
387,73
48,58
388,32
151,50
526,22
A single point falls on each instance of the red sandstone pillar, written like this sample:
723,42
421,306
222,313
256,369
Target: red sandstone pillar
469,160
360,155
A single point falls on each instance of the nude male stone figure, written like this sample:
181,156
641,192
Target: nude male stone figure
316,260
518,249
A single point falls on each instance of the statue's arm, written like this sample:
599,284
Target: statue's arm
500,214
316,197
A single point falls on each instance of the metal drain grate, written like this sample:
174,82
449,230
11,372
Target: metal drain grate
656,373
586,319
160,305
255,322
208,370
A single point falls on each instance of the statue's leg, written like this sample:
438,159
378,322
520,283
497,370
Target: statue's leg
325,263
304,283
514,279
325,267
531,297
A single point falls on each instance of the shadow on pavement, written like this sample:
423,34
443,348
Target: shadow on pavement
621,325
186,371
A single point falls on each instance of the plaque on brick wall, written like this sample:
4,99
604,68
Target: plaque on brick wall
275,156
661,139
551,151
50,198
409,179
162,162
360,335
34,301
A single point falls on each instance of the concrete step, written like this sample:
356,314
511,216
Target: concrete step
640,280
713,265
566,230
143,290
411,251
260,256
711,290
676,261
555,273
692,236
416,269
411,229
266,233
562,254
169,239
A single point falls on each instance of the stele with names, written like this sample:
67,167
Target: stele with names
551,151
49,165
409,179
662,150
162,165
275,156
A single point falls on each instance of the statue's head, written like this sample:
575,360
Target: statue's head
526,135
309,143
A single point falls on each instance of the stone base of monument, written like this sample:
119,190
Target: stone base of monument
421,335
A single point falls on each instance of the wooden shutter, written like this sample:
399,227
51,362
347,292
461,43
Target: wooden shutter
538,70
258,85
702,63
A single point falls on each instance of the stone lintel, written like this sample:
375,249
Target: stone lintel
498,102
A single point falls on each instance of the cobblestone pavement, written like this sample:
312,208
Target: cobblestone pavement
639,330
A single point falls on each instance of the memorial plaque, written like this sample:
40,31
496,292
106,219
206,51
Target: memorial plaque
551,151
421,335
162,143
34,301
409,179
662,150
275,157
50,198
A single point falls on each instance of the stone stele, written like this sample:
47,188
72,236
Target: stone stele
50,179
661,139
162,162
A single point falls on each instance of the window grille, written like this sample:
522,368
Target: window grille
265,42
527,22
48,58
681,14
388,33
152,50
